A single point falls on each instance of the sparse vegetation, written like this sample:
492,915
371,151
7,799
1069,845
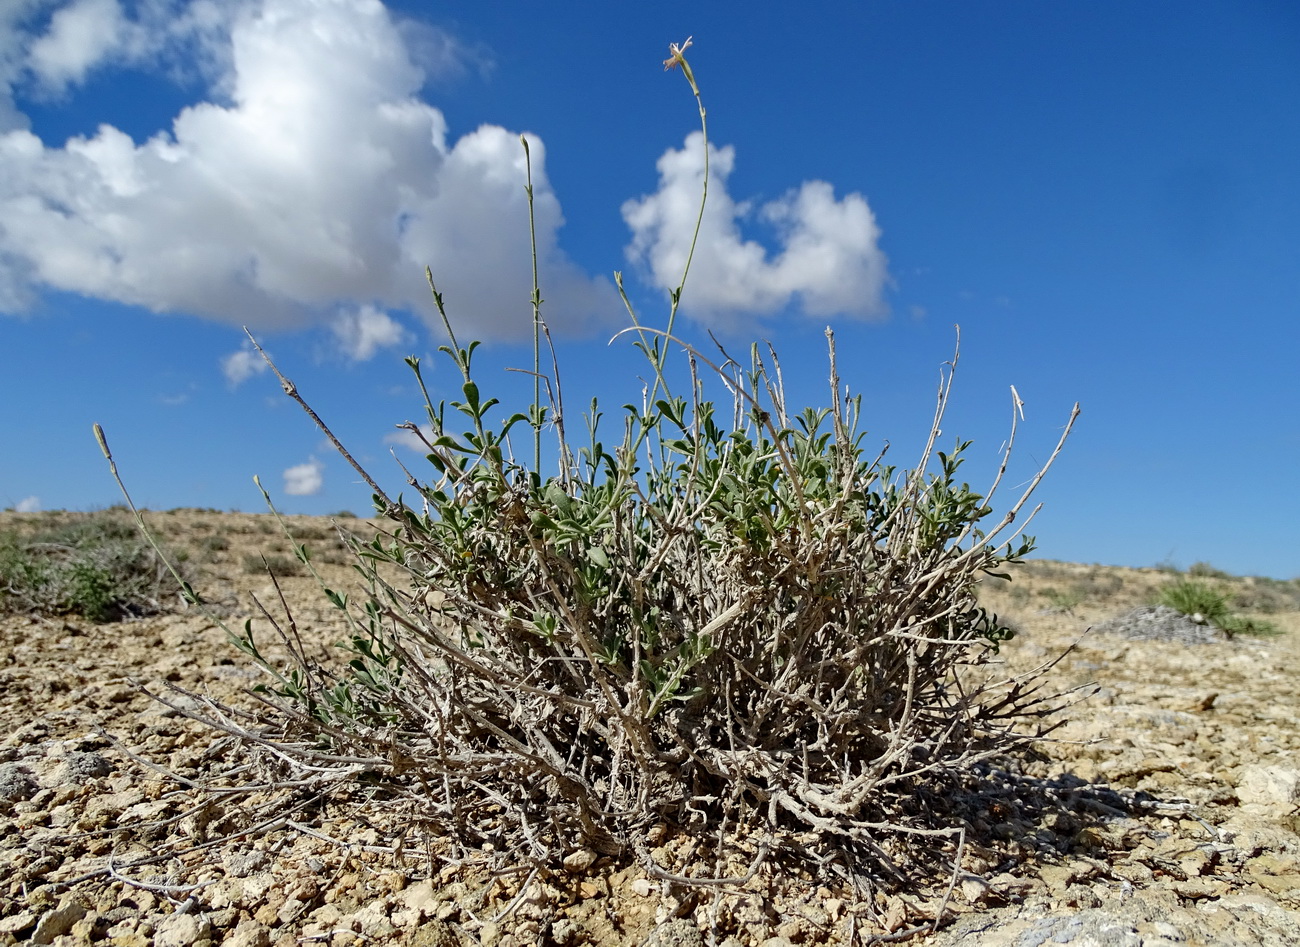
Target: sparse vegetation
92,565
1203,570
213,543
1064,600
733,619
275,564
1207,603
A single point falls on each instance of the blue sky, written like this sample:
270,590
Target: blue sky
1103,195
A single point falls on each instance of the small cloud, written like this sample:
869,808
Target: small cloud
240,366
304,480
363,332
406,438
917,313
30,504
829,260
81,36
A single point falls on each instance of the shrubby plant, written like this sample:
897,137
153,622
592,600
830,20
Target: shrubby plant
94,566
1205,602
726,615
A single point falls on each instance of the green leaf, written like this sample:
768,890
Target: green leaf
471,396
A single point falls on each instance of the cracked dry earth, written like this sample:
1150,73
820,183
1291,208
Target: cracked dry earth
1166,813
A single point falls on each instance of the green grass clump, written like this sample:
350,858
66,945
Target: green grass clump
1207,603
95,566
1195,597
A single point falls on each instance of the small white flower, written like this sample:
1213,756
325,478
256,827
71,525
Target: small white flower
676,57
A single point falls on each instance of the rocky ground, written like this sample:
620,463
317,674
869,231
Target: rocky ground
1165,812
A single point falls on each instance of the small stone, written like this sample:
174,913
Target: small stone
58,921
1269,785
527,930
268,914
79,767
580,860
643,887
242,864
290,910
679,933
1057,877
372,921
1278,884
182,930
327,915
248,934
1168,931
17,782
86,928
131,939
419,897
975,890
792,931
18,922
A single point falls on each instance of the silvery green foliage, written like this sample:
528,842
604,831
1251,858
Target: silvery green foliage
733,619
730,617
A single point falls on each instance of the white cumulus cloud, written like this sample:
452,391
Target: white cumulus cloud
30,504
363,332
242,365
304,480
80,36
829,261
311,177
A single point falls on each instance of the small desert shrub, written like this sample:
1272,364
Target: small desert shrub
213,543
731,616
1247,625
1065,600
276,564
1195,597
1267,595
1203,570
96,566
1205,602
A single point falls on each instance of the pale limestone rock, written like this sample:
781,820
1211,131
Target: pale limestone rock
58,921
1269,785
181,930
248,933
